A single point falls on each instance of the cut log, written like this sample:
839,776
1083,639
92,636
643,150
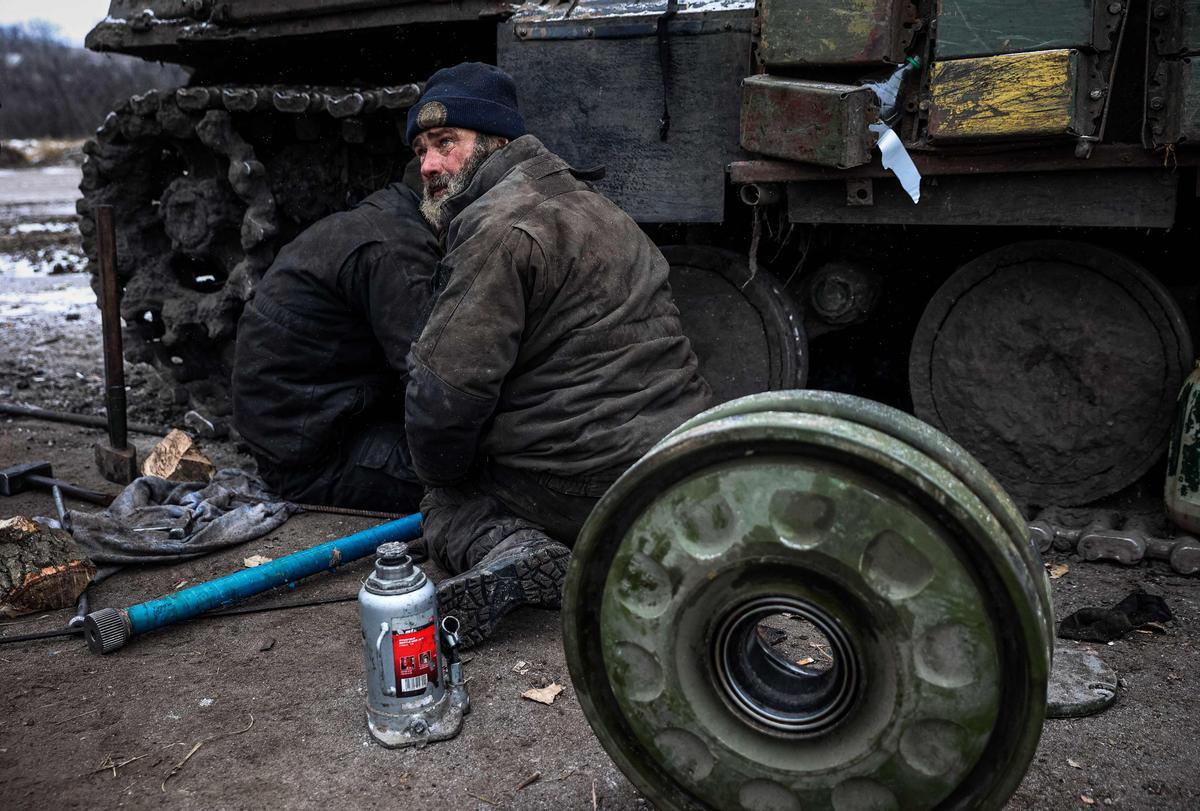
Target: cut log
41,568
177,458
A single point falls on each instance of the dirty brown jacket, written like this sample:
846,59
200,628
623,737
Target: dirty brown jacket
554,346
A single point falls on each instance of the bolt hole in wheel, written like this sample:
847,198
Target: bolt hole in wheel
803,599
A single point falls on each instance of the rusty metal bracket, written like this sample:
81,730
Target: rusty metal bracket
1165,27
1109,17
1108,25
1162,117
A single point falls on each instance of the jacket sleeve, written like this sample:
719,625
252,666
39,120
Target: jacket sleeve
391,283
464,354
399,295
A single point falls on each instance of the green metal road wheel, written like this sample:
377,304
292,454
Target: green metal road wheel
871,537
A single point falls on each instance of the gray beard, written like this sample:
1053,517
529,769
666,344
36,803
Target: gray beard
434,210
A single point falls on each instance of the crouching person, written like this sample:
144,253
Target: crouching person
321,368
552,360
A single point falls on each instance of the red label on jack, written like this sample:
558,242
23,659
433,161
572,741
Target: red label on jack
415,656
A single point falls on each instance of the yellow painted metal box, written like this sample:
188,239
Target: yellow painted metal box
1023,95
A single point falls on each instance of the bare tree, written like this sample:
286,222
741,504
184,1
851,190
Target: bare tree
49,88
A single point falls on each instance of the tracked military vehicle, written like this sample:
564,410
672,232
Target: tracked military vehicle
1036,304
981,212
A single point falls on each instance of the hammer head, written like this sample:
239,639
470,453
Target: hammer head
116,464
15,479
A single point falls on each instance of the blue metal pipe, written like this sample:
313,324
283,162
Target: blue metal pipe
102,627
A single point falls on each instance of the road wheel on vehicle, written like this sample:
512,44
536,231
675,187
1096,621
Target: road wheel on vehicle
1056,364
746,331
809,600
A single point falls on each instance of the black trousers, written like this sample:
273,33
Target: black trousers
370,469
462,524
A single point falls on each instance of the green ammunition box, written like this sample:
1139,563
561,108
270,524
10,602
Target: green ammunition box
833,32
816,122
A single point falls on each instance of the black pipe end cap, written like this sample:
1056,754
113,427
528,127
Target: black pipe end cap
106,630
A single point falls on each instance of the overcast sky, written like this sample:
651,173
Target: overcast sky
74,17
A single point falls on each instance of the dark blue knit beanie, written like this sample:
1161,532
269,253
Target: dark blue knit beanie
473,96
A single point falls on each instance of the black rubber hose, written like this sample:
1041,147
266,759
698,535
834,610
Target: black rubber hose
4,640
261,609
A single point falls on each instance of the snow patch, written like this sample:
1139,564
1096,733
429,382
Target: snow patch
60,300
45,262
42,228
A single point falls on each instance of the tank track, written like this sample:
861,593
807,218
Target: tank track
1104,535
207,183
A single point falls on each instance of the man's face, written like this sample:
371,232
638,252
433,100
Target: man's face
442,153
449,159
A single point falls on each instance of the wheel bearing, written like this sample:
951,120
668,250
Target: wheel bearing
769,689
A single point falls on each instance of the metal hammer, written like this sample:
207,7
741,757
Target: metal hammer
116,461
39,476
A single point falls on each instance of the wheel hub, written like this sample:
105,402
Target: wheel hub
771,689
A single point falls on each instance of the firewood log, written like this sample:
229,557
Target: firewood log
41,568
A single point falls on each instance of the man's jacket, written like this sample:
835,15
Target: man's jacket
554,346
325,338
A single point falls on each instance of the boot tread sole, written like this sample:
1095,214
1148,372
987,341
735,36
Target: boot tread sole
479,600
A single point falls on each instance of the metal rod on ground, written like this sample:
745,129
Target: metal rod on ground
116,461
5,640
323,508
110,628
59,507
81,605
81,610
228,612
49,415
80,493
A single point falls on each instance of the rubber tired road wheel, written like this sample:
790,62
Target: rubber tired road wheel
926,610
1057,364
746,331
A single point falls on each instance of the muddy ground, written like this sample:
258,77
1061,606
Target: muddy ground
276,699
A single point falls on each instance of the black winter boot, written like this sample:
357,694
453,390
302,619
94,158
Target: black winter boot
524,569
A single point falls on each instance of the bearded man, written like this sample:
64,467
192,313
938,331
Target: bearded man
553,357
321,360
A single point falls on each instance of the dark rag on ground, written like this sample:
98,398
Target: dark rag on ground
233,508
1107,624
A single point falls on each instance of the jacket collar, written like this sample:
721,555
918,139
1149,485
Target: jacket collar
494,168
388,198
